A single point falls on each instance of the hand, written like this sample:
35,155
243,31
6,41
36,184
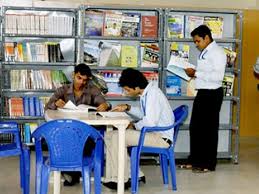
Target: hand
103,107
190,72
60,103
120,108
131,126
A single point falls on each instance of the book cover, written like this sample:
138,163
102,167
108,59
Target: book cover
175,26
215,23
173,85
231,57
94,23
92,51
110,53
149,26
129,56
112,24
191,23
228,84
150,56
130,25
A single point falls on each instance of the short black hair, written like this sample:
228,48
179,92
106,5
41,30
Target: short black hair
202,31
83,69
132,78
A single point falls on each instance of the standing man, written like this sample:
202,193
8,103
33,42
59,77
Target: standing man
204,123
154,110
81,91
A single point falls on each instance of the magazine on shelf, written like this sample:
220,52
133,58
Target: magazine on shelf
175,26
215,23
112,24
231,57
94,23
150,55
130,25
191,23
173,85
228,84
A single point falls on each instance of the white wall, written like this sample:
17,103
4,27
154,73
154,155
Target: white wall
225,4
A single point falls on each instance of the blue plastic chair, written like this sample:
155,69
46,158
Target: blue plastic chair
66,139
15,148
165,154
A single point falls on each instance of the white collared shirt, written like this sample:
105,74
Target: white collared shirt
210,67
154,110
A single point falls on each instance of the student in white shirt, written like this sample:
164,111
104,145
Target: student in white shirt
204,123
154,110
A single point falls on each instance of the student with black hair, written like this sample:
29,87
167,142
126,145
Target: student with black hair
154,110
80,91
204,123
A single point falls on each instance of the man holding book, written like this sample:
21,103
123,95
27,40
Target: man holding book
204,122
80,91
154,110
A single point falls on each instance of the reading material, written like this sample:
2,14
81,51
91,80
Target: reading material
71,107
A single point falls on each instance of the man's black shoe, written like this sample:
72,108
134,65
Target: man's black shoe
114,185
72,183
140,179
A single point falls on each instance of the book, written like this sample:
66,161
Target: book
215,23
94,23
175,26
129,56
110,53
149,26
191,23
173,85
111,114
228,84
112,24
231,57
71,107
150,55
130,25
92,52
179,60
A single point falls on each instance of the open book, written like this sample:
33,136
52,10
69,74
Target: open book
177,65
112,114
71,107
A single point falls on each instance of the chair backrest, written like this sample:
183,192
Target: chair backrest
13,147
65,139
180,114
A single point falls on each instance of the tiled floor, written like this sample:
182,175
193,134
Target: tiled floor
227,179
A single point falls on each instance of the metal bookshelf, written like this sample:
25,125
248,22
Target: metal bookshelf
228,146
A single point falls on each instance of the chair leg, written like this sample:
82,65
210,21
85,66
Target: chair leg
97,177
26,160
22,167
164,168
86,180
134,164
172,169
44,179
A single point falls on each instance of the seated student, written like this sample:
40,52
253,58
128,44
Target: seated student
154,110
80,91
